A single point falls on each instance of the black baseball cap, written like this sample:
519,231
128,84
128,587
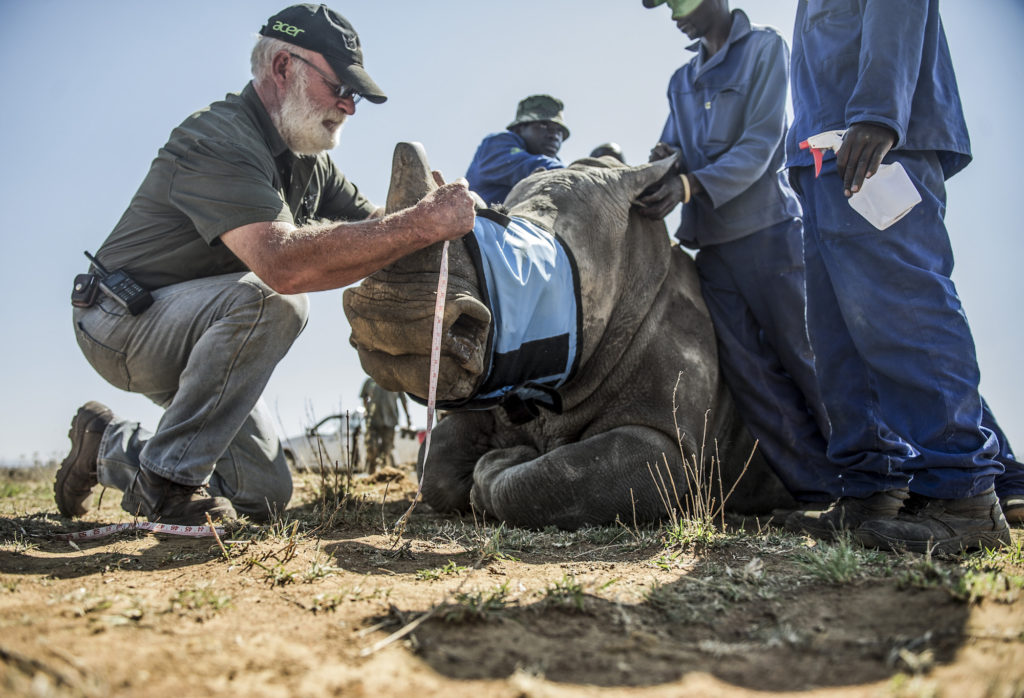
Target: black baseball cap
321,29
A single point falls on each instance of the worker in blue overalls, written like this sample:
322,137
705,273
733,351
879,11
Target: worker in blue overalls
727,122
895,357
528,144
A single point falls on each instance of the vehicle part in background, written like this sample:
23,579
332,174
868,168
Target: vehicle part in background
336,441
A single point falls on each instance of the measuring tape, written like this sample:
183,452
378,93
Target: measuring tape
435,369
435,349
172,529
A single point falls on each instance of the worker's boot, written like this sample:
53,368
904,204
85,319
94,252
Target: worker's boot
846,514
941,526
163,501
1013,508
76,476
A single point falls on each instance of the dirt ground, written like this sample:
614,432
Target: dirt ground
328,600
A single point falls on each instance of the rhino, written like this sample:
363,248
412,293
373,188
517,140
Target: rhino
644,393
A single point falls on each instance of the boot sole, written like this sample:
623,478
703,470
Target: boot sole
221,515
946,546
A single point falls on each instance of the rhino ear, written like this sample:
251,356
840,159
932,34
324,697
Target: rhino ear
636,179
411,178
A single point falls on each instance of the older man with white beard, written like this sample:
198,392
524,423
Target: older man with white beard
241,210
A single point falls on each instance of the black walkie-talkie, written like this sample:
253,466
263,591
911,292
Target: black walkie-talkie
122,288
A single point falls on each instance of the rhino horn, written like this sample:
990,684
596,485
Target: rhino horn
411,178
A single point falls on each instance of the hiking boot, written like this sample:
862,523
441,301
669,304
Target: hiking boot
164,501
76,476
941,526
846,514
1013,508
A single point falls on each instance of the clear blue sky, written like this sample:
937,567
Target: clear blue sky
91,90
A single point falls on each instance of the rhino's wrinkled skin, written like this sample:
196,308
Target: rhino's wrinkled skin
644,325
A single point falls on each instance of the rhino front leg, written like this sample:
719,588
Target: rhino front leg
590,482
456,443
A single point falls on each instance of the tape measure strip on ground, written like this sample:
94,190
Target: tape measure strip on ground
171,529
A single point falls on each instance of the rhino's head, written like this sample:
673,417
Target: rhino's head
391,312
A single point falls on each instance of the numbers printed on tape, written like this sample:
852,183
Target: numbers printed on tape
435,349
172,529
435,369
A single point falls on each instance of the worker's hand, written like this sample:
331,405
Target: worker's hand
661,151
658,200
864,146
449,210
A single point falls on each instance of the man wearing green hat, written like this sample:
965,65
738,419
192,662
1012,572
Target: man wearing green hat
241,213
727,122
530,143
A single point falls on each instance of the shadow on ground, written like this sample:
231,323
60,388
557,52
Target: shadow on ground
814,637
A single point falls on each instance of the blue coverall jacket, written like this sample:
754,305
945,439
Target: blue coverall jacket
727,118
879,61
500,162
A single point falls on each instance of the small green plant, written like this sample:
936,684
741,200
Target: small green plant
690,533
923,572
601,535
450,569
1010,555
326,603
566,594
477,605
906,686
668,561
990,584
202,598
493,547
276,575
836,563
12,489
319,568
19,543
990,574
697,519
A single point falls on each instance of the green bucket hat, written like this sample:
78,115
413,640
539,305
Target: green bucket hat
680,8
540,108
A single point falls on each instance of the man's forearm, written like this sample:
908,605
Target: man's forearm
332,255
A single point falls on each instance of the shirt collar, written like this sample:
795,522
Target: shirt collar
740,28
259,112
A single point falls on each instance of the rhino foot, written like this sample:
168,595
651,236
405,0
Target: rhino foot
587,483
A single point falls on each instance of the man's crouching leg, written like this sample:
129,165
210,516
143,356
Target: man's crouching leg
164,501
204,351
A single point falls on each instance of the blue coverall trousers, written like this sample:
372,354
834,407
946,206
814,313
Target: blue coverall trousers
754,290
895,357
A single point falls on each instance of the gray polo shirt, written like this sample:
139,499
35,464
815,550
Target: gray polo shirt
224,167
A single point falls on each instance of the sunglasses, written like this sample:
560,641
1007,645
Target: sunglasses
341,91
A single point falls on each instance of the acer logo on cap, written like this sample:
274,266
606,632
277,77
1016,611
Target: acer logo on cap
286,29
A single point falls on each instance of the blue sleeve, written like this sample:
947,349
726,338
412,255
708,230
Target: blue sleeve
502,160
670,132
892,41
764,126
